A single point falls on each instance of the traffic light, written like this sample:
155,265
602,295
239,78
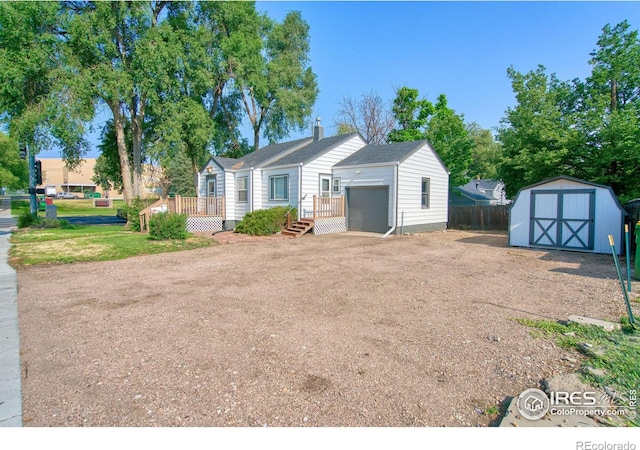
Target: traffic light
38,170
23,151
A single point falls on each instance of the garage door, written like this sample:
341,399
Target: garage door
368,209
562,219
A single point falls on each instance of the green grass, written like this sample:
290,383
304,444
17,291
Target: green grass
79,207
620,352
89,243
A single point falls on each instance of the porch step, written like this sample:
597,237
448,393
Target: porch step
299,227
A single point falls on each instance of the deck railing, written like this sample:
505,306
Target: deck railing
145,214
324,207
198,206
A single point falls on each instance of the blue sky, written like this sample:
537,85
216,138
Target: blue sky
460,49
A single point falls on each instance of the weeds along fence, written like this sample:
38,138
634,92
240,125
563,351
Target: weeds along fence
633,210
481,218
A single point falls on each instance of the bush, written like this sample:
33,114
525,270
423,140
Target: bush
265,222
168,226
26,219
131,212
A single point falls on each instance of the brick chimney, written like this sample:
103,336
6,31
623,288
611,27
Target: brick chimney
318,130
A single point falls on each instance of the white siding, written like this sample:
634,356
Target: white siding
608,216
322,165
369,176
205,175
255,183
422,164
292,173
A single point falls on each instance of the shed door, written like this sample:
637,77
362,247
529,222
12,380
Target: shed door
562,219
368,209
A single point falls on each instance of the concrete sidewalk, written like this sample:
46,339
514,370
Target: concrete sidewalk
10,383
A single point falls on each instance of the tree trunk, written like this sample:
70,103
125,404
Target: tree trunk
614,95
125,167
256,138
136,131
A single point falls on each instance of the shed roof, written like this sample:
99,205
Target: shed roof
576,180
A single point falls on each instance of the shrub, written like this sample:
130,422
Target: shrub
26,219
131,212
265,222
168,226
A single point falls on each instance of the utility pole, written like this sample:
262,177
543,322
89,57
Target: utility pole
32,182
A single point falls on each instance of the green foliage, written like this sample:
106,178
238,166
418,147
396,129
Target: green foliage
587,129
132,212
181,176
445,130
89,243
486,153
14,172
168,225
265,222
25,218
618,351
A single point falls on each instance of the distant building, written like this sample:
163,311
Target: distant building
479,193
56,173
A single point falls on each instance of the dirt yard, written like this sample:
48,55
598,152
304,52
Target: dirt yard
335,330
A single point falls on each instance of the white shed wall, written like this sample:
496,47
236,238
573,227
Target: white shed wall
422,164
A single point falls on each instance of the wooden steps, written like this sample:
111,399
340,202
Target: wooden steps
298,228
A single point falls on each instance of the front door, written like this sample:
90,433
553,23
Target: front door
325,186
563,219
212,187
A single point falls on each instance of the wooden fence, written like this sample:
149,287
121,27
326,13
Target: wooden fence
483,218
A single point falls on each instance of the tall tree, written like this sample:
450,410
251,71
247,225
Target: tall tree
589,129
39,109
14,173
278,87
486,153
112,47
445,130
369,116
538,134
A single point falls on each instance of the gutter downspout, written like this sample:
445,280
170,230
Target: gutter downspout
395,206
252,192
299,191
199,185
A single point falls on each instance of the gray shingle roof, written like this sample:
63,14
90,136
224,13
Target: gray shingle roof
226,163
386,153
256,158
311,150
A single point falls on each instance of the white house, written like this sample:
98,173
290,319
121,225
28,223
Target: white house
337,183
566,213
400,187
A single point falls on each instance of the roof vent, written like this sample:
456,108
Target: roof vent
318,130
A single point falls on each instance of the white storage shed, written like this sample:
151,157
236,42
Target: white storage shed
566,213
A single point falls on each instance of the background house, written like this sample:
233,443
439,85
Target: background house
479,192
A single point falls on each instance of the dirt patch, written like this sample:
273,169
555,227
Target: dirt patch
333,330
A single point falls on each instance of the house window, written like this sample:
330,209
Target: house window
425,192
336,185
243,196
279,188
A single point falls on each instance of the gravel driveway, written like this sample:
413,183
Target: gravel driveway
334,330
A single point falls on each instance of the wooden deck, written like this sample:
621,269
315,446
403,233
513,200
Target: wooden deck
201,207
